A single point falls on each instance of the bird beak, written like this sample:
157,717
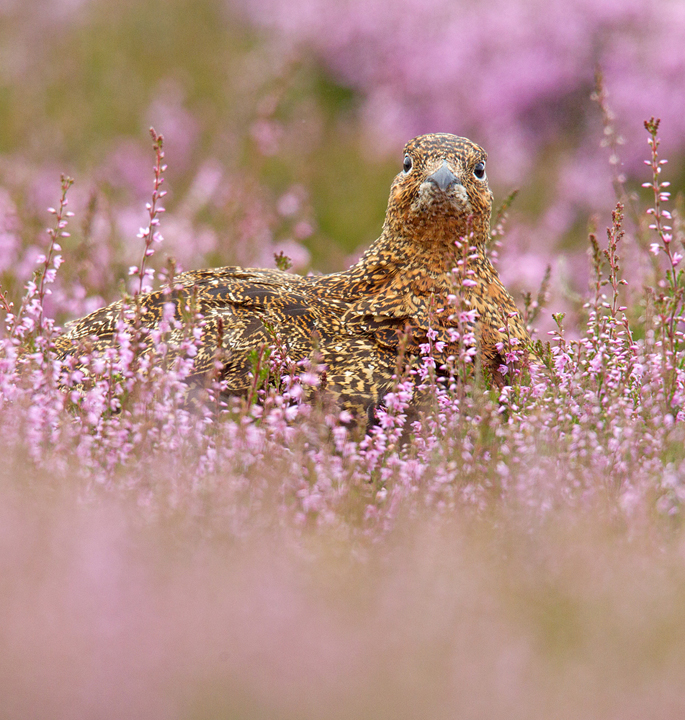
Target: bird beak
443,177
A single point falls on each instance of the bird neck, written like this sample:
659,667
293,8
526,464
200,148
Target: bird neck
432,254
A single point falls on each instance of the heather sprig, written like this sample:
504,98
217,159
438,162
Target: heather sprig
498,227
462,366
661,216
151,234
669,295
30,322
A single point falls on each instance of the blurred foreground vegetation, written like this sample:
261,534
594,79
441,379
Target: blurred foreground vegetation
523,557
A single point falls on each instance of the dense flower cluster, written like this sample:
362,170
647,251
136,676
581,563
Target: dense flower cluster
601,413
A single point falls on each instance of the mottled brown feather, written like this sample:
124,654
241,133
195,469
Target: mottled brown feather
352,317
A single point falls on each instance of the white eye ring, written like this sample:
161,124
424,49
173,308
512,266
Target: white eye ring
479,170
408,164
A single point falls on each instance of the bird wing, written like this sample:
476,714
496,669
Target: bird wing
241,310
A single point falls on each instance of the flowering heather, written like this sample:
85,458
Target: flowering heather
169,552
608,402
517,77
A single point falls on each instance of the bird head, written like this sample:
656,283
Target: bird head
442,191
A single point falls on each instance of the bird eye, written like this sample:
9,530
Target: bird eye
408,164
479,170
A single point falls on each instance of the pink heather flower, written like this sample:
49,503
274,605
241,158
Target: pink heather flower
291,412
295,392
310,378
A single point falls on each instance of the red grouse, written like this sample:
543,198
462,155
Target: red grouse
354,320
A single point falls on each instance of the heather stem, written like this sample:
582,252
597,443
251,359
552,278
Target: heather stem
30,314
58,231
665,233
660,215
150,234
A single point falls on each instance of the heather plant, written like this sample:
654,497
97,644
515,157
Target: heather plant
457,482
477,551
446,434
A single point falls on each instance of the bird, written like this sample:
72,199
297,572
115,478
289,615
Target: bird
356,324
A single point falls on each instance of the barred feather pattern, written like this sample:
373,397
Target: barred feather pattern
353,321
